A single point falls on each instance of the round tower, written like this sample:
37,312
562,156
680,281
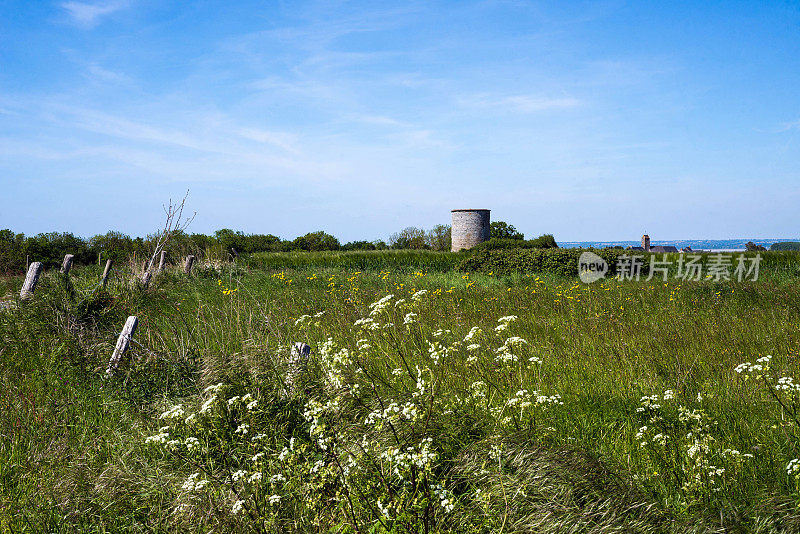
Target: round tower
470,227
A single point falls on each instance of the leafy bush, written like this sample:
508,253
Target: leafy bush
543,241
561,261
115,246
503,230
787,245
50,248
316,241
359,245
12,252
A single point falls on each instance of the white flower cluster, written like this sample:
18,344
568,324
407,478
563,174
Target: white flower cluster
207,405
192,484
793,468
521,399
368,323
416,297
420,457
550,400
313,415
176,412
161,437
436,351
446,498
504,322
474,331
787,384
410,318
422,384
334,364
380,305
505,353
393,412
756,369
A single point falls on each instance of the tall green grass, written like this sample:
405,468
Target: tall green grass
392,260
73,454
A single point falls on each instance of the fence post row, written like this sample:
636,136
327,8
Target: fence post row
123,342
31,279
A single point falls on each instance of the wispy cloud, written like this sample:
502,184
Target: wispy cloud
101,74
88,14
793,125
520,103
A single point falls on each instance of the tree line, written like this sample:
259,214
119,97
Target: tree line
17,249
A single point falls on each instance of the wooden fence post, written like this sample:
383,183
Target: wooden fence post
163,261
146,279
187,268
106,272
67,265
30,280
123,342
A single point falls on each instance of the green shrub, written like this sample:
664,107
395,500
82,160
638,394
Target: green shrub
496,243
787,245
503,230
560,261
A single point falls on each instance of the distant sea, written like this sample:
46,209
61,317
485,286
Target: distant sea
712,245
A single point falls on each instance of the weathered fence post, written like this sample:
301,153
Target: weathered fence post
67,265
187,268
106,272
163,261
31,279
123,342
146,279
297,365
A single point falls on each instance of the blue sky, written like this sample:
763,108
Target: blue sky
587,120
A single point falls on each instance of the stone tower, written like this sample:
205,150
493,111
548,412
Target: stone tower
470,227
646,242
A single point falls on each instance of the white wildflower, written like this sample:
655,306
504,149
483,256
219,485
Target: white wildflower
176,412
474,331
213,389
419,294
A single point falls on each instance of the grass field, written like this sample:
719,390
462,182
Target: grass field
433,401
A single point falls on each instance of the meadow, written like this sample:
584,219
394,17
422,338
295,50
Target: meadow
433,400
